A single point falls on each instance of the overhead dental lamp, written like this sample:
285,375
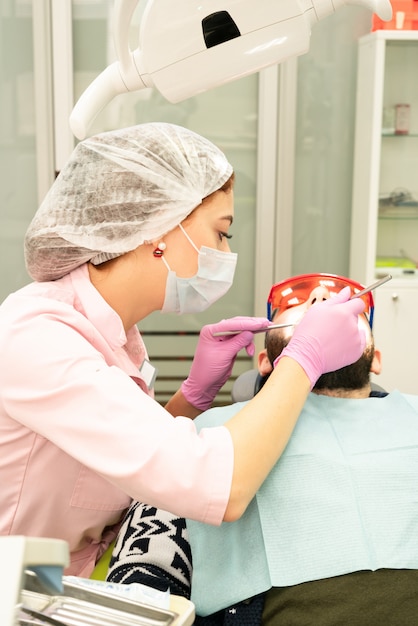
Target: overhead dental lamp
187,47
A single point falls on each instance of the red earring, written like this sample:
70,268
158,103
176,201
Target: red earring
159,250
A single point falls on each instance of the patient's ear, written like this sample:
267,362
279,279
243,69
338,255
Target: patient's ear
264,365
376,367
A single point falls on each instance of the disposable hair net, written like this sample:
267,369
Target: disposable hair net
118,190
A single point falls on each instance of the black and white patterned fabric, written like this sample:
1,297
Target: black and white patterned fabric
152,548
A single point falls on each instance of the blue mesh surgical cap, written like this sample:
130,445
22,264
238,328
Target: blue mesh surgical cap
118,190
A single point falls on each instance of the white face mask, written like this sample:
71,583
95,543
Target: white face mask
214,277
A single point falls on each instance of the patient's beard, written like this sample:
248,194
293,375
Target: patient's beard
350,377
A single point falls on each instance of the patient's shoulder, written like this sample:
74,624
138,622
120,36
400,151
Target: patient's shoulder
218,415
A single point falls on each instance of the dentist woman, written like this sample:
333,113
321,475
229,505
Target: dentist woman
138,221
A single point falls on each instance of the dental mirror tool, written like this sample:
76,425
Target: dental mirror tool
379,282
188,47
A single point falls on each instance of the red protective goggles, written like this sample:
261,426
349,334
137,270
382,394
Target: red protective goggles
295,291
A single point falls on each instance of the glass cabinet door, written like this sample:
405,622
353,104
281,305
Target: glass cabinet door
324,143
397,233
18,188
384,225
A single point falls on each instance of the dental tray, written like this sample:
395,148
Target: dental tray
84,607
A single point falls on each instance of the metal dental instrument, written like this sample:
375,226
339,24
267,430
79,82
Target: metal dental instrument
259,330
379,282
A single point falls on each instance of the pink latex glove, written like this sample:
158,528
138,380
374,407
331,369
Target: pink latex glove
215,356
328,337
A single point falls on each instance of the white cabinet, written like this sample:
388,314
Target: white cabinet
396,335
384,229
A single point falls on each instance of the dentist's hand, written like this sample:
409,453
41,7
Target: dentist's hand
215,356
328,336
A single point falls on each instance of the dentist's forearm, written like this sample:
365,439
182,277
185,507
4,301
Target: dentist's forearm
261,429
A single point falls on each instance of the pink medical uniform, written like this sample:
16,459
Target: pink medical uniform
80,434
